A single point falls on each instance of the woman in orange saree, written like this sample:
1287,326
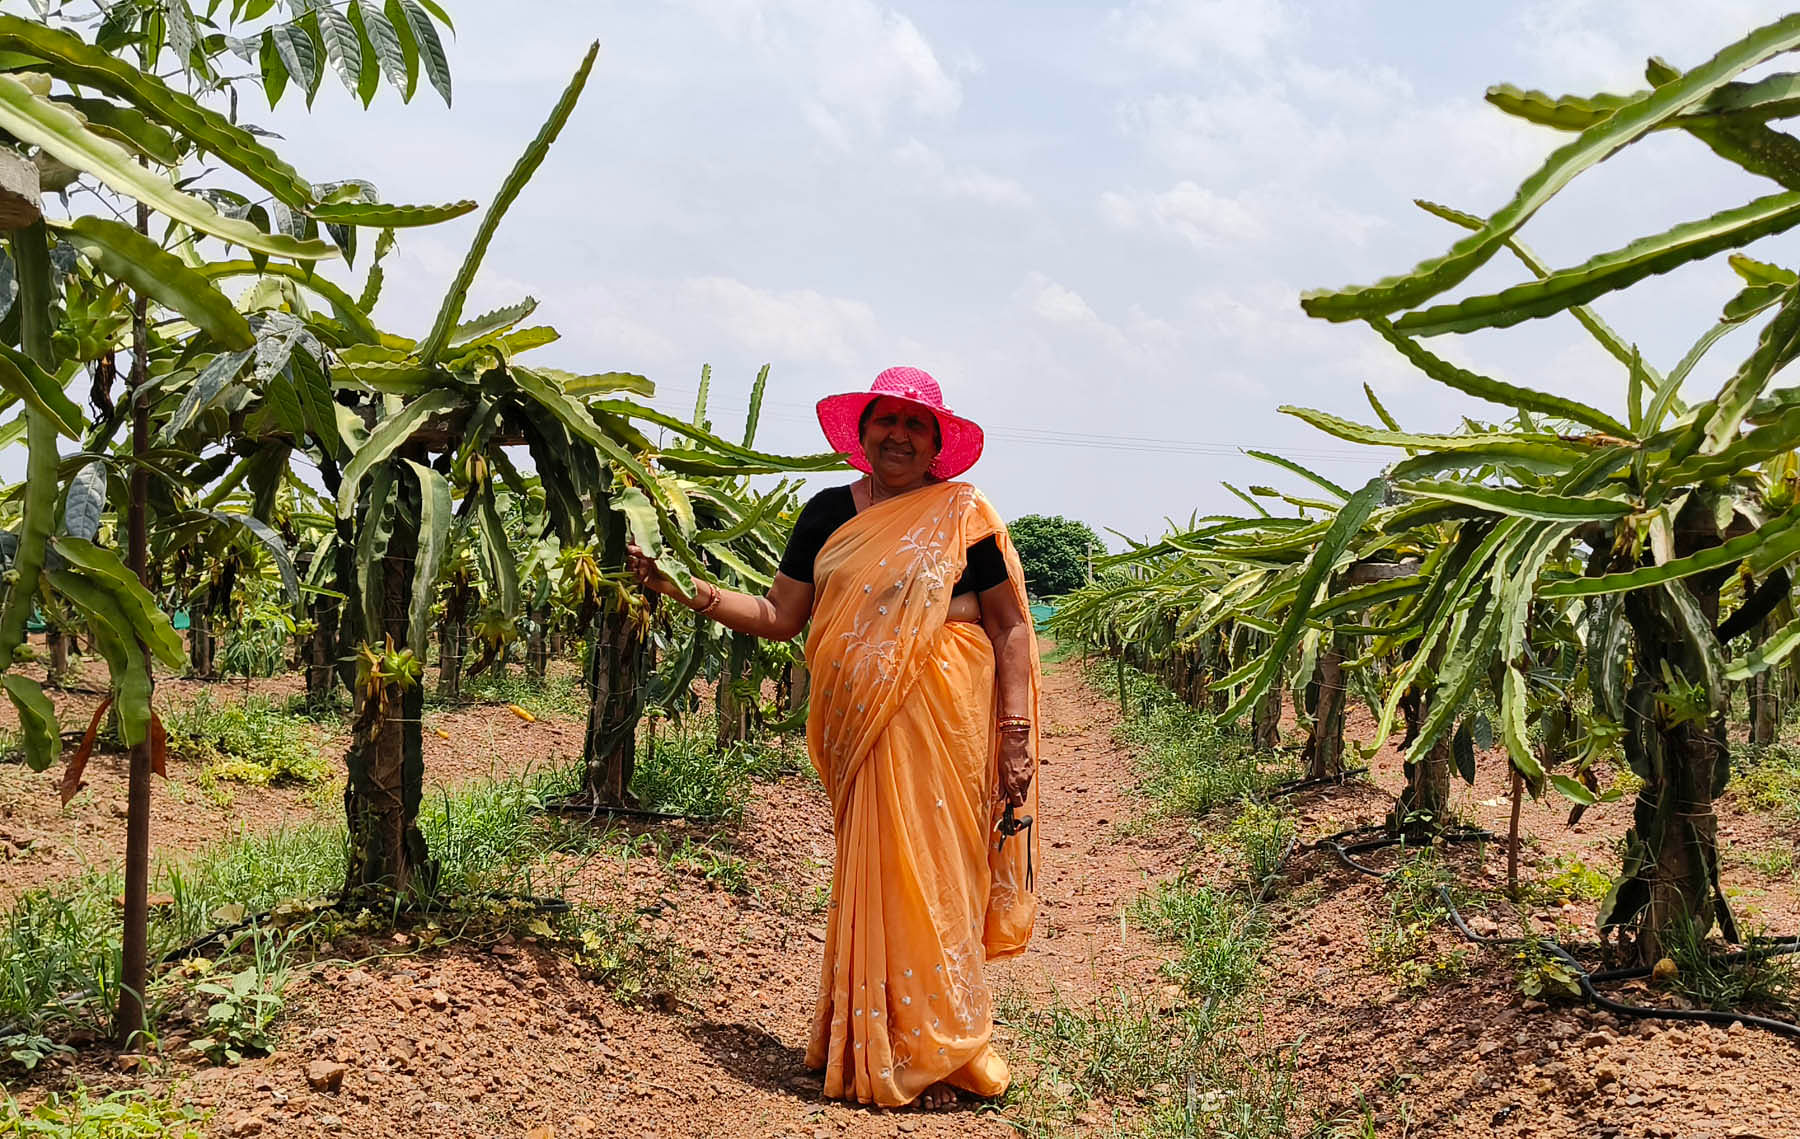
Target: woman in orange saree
923,729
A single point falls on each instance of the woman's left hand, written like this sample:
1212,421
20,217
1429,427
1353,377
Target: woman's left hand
1015,766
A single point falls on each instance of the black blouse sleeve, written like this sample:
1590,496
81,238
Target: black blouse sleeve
819,519
986,567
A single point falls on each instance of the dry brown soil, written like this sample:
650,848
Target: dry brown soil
503,1038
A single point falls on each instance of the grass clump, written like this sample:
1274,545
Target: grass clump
1402,943
249,741
121,1115
1188,762
686,771
1711,981
1768,779
561,692
1221,937
1187,1062
1569,880
59,945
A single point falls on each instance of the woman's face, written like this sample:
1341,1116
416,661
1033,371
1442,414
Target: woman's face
900,441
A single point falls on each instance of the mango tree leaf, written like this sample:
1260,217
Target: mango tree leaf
43,123
1573,790
402,73
259,531
431,49
85,502
1462,750
205,388
297,55
343,46
81,64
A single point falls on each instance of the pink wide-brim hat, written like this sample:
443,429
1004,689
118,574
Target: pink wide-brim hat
840,414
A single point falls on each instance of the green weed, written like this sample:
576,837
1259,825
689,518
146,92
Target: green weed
1401,943
1188,763
1773,862
1765,982
59,945
1570,880
562,692
121,1115
1768,779
1221,937
686,772
614,949
249,741
242,1008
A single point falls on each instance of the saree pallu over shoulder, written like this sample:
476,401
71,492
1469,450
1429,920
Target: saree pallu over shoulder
902,732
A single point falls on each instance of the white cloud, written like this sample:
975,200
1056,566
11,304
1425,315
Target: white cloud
928,170
1594,45
1055,303
799,325
1189,211
854,63
1190,34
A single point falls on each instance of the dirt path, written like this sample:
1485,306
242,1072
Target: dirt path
496,1040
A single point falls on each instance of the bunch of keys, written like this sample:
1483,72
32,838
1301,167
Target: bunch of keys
1009,825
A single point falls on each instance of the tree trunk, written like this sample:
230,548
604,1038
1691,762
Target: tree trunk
453,638
1265,720
617,664
1424,805
537,651
321,657
1675,741
386,757
58,643
733,708
1324,754
1765,703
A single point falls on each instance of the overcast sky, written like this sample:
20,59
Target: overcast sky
1090,222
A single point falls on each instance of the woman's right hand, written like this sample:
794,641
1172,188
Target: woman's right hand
649,574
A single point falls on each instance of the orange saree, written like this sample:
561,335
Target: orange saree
901,730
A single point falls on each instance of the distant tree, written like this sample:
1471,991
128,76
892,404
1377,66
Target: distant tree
1054,551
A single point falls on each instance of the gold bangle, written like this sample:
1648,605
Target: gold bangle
717,595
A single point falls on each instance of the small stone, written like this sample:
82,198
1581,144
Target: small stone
326,1075
440,1000
1487,1047
249,1125
1665,971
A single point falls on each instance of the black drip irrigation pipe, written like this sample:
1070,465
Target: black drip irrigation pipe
1586,980
594,811
1295,786
1762,948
